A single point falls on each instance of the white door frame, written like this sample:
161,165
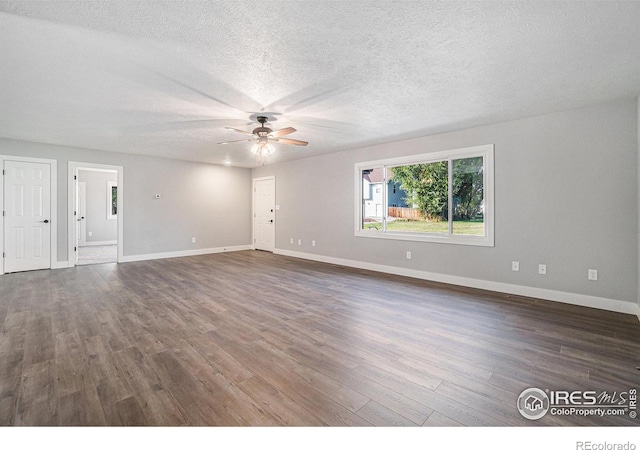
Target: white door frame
54,207
253,210
74,166
82,237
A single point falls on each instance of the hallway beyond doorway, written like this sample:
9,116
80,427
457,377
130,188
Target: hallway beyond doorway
97,254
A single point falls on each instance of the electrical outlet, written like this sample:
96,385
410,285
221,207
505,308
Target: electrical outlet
193,240
515,266
299,241
291,241
592,275
313,243
408,255
90,233
542,269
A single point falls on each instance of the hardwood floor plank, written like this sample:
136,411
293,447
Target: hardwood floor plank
39,343
113,331
339,393
389,398
193,399
284,410
415,375
440,420
140,335
280,373
13,333
86,322
378,415
151,394
491,406
211,386
70,362
81,408
105,370
12,340
391,380
10,378
38,399
130,412
244,409
445,369
433,400
223,362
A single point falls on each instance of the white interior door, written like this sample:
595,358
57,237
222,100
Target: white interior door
264,204
27,230
81,218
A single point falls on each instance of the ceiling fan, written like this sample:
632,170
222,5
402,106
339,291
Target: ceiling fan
264,136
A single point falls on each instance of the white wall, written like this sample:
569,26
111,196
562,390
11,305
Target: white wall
566,194
102,229
209,202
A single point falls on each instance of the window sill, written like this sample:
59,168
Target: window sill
480,241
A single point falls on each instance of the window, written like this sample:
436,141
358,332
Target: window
112,200
437,197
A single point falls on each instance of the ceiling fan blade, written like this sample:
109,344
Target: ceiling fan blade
291,141
231,142
239,130
283,132
168,126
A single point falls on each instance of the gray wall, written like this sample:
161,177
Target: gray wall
566,195
209,202
101,228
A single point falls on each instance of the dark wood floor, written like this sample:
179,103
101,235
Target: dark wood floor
250,338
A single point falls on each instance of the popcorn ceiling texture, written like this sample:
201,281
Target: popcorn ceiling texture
164,78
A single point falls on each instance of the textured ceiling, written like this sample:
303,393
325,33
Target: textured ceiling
164,78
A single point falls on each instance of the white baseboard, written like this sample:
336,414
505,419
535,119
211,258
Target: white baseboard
95,243
525,291
60,264
179,254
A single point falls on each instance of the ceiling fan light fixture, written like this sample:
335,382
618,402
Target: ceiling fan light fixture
262,149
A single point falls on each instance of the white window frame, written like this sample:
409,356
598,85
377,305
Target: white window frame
110,186
485,151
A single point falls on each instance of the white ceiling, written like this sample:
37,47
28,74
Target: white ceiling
164,77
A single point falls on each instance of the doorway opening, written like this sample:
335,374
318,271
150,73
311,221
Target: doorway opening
95,214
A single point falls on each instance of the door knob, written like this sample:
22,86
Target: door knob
271,221
44,221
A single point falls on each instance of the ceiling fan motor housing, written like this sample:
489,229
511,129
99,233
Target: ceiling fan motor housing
262,131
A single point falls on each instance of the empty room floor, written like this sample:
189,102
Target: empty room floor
97,254
251,338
